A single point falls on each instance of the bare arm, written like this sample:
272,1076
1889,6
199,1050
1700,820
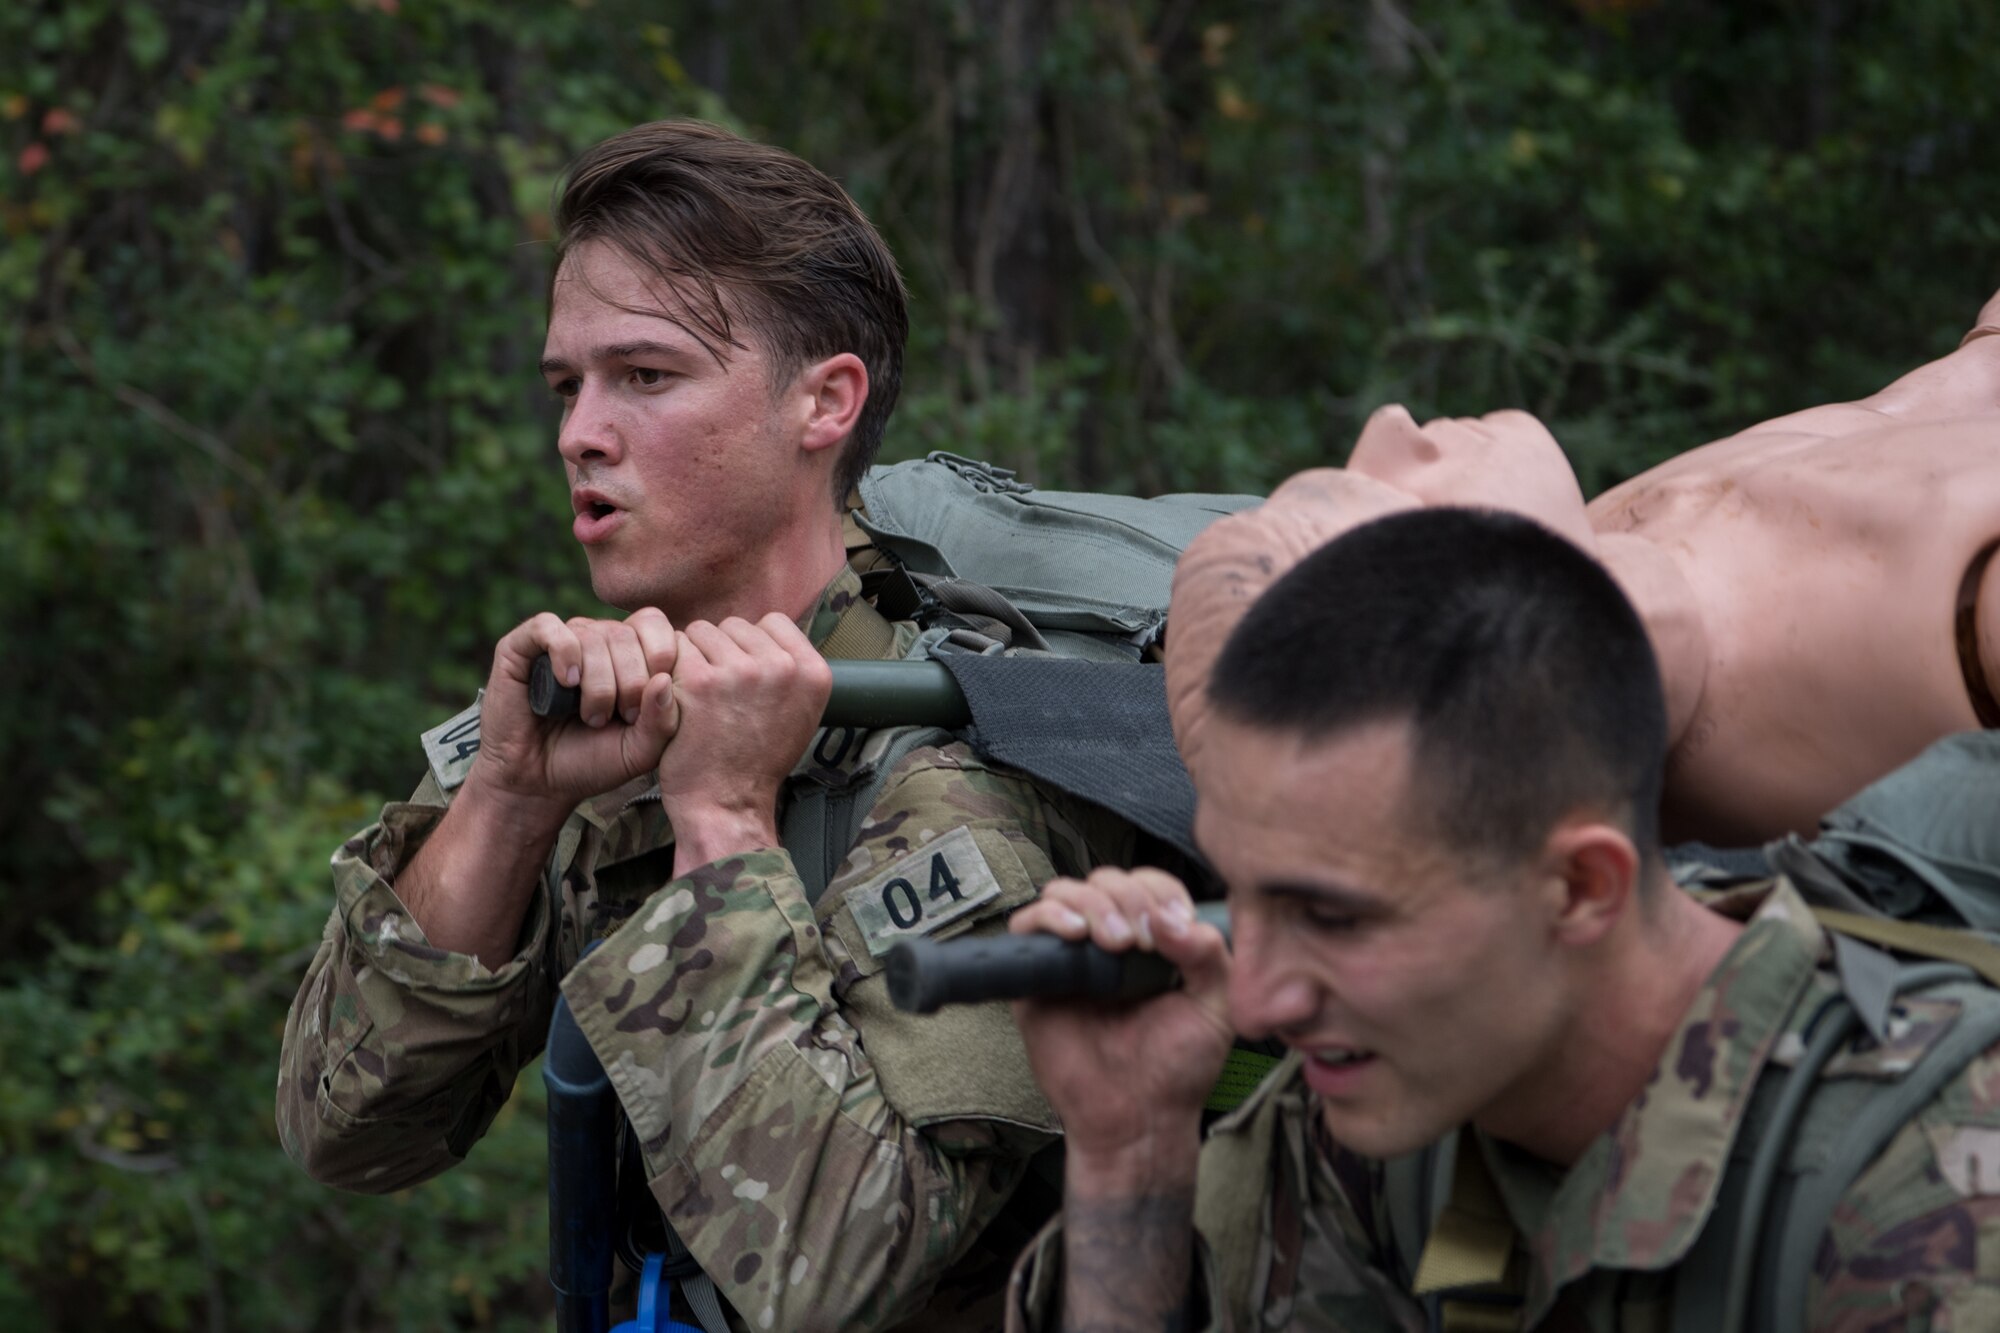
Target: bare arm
1129,1083
1128,1236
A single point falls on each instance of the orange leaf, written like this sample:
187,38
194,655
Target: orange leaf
13,106
361,118
59,121
440,96
387,100
33,158
430,132
389,128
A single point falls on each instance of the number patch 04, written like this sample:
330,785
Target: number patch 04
931,887
453,744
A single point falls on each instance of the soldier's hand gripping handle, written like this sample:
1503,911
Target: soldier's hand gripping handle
547,698
925,975
866,695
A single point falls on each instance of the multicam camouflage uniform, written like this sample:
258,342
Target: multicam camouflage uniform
828,1160
1296,1232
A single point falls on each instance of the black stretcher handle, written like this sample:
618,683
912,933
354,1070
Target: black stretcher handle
925,975
866,695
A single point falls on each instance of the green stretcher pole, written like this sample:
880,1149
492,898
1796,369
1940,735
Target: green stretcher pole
866,695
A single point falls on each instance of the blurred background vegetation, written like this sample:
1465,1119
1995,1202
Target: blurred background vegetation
276,470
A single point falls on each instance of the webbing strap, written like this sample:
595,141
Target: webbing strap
1952,946
1865,1136
1241,1073
862,634
1469,1258
698,1290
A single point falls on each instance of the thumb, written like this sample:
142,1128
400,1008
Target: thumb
1202,956
659,713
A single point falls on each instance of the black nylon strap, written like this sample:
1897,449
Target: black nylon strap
1095,730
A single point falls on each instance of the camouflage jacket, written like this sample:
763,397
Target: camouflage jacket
828,1160
1296,1232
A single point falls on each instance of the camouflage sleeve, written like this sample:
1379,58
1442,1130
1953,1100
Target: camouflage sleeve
824,1157
397,1055
1916,1242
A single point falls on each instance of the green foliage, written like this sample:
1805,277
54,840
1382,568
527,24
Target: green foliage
137,1148
276,469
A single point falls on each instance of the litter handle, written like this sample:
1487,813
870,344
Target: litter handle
866,695
925,975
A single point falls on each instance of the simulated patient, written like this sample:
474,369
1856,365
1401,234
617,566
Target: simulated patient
1819,587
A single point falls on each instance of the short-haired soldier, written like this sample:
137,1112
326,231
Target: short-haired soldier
726,335
1430,779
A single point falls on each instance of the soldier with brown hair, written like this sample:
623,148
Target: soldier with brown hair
726,334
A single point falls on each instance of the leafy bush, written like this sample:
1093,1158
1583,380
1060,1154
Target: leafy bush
137,1150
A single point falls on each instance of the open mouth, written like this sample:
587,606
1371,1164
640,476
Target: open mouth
1338,1071
596,520
1341,1057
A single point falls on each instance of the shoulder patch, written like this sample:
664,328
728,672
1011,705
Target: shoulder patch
452,745
936,884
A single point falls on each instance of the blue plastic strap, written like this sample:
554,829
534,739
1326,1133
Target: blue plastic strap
655,1303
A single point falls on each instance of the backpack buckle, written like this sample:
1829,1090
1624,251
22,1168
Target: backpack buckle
983,476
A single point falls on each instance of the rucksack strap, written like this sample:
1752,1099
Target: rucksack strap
862,634
1963,947
1810,1209
1750,1268
819,824
697,1289
1470,1261
951,603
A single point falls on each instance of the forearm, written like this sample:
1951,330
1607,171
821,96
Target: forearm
469,885
1128,1234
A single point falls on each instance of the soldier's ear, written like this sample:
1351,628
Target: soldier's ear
1593,871
831,395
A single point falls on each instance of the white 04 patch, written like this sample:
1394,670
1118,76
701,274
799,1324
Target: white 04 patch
453,744
933,886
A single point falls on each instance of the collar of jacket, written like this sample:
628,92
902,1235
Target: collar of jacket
843,625
1643,1190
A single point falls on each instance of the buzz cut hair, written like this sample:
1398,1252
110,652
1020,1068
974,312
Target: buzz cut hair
1527,678
742,234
